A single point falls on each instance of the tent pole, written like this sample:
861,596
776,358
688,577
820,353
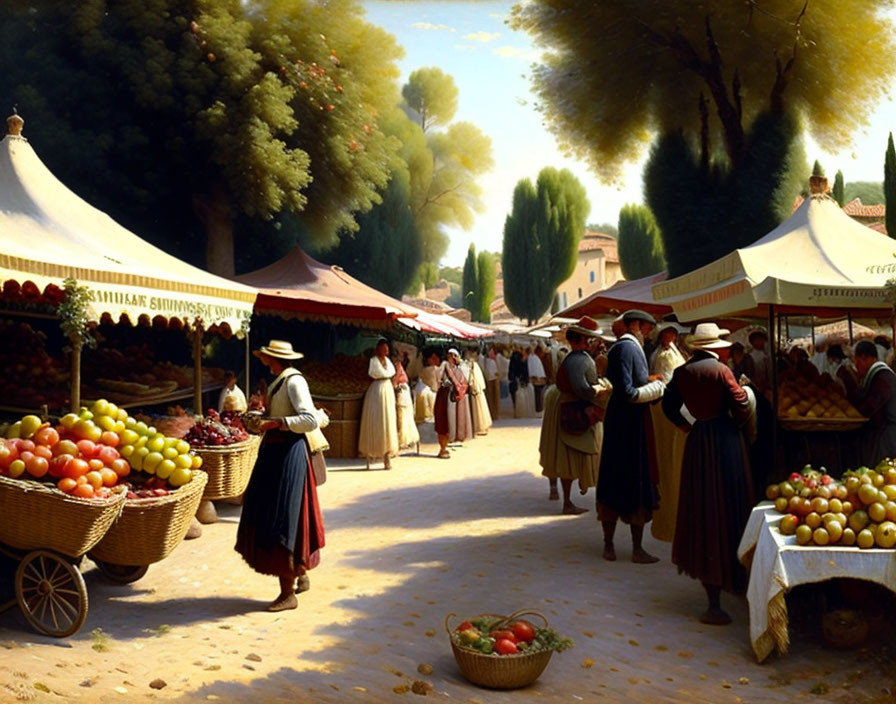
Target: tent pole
248,365
813,334
773,352
849,321
197,367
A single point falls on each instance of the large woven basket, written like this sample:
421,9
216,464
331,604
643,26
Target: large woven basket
500,671
149,529
38,516
229,467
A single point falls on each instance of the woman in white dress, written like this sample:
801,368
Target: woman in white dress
464,425
408,435
426,389
521,388
379,421
482,417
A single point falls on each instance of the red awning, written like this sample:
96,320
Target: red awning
620,297
441,324
303,287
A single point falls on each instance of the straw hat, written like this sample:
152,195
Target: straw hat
281,349
585,326
670,325
707,336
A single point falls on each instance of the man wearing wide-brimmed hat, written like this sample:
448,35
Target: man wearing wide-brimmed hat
716,495
571,431
281,529
627,481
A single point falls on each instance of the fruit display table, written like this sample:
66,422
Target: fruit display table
777,565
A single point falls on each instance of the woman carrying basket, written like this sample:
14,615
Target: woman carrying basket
281,529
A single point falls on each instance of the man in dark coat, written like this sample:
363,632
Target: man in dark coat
626,485
874,395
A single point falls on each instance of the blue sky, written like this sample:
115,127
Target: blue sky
490,64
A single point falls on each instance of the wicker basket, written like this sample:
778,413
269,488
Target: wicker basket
149,529
38,516
229,467
500,671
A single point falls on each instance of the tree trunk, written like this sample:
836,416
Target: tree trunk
214,211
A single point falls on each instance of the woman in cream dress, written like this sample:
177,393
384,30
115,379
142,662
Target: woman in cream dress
426,389
408,435
379,421
482,417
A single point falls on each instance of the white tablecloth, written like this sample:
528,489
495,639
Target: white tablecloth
777,564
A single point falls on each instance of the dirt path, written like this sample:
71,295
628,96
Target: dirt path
475,534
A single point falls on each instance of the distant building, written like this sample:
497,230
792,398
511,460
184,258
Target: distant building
873,216
597,268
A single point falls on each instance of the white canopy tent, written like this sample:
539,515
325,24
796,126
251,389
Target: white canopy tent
818,261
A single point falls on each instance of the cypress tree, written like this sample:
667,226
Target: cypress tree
486,289
890,187
838,190
640,243
470,286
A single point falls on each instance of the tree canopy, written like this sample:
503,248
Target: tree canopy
430,97
181,118
616,72
470,285
890,186
486,291
640,243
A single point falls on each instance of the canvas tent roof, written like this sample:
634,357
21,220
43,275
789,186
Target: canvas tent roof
620,297
817,261
48,233
300,285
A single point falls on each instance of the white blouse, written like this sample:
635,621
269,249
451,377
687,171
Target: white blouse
292,402
380,370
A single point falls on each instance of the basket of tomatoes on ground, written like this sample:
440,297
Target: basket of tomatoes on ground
504,652
228,453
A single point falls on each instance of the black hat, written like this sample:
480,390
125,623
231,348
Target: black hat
635,314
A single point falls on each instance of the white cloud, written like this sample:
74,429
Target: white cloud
432,27
465,47
514,52
484,37
498,16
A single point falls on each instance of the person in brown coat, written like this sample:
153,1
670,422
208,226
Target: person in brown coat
716,490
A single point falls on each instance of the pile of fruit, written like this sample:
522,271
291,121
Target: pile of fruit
820,397
89,454
490,635
40,378
858,510
341,376
214,430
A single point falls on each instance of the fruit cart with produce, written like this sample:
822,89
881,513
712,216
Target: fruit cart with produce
814,528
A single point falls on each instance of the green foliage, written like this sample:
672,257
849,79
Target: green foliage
817,168
430,96
614,73
181,117
386,251
705,212
486,290
452,274
541,238
837,190
870,192
640,242
470,282
890,186
73,312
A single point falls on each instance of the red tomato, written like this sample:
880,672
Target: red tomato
25,445
108,455
84,491
57,466
506,647
76,468
46,436
503,635
121,467
43,451
465,626
523,631
37,466
66,485
87,448
110,476
109,438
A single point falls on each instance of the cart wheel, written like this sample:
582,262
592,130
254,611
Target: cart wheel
121,574
51,593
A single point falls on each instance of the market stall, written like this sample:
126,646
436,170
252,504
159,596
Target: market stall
48,234
620,297
819,264
96,480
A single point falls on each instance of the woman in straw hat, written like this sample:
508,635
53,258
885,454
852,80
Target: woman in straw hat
379,419
716,495
573,453
281,529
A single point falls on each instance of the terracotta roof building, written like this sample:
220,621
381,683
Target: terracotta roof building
597,268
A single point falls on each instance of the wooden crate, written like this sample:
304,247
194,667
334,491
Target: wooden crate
343,438
341,407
